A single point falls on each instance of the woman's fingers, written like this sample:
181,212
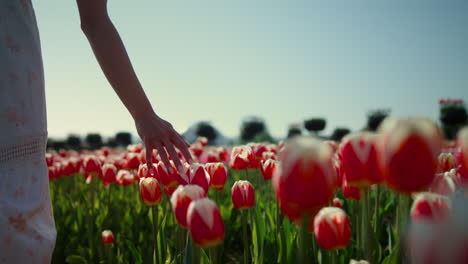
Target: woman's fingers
180,143
175,158
164,158
149,157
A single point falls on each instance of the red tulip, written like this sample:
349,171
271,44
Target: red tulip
337,202
444,183
194,173
429,207
109,172
143,171
331,228
267,168
107,237
181,199
132,161
446,162
408,151
306,179
223,154
205,223
92,165
137,148
240,157
49,159
462,142
442,240
268,155
202,141
167,176
350,192
243,195
150,191
197,149
53,173
169,190
124,177
218,175
358,158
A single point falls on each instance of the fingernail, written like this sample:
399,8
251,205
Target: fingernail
179,168
170,170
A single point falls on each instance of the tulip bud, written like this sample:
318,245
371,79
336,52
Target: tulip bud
240,157
445,183
53,173
150,191
132,161
462,142
408,150
306,179
168,178
107,237
337,202
218,175
109,172
446,162
194,173
358,158
143,171
268,155
124,177
350,192
331,228
205,223
243,195
92,165
268,168
429,207
181,199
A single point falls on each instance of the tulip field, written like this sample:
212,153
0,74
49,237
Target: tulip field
394,196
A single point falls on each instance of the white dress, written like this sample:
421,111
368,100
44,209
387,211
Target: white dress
27,229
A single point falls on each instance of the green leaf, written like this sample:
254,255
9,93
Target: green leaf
393,258
75,259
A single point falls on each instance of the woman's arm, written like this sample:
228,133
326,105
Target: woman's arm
115,63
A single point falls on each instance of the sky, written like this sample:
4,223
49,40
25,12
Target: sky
284,61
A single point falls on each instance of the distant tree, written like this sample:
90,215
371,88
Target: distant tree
74,142
50,143
58,145
315,125
111,142
252,127
123,139
294,130
94,141
205,129
375,118
339,133
453,116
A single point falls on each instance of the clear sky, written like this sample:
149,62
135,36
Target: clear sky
281,60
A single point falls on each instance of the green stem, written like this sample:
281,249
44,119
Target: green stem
108,252
244,235
154,212
213,255
366,231
303,258
376,211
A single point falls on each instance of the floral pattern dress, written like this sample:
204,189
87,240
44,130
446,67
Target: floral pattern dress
27,229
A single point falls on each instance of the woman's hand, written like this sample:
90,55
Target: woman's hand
159,134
